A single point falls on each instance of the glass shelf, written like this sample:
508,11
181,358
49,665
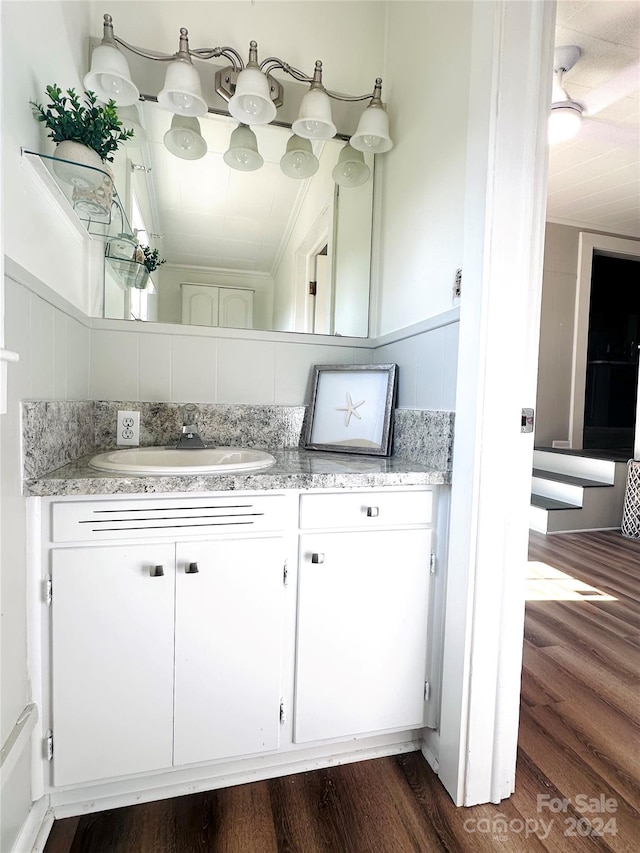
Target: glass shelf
89,193
131,273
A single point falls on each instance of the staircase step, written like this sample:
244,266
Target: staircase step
543,502
569,480
573,464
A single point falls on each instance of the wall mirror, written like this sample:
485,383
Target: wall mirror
243,249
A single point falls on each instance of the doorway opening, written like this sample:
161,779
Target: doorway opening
611,378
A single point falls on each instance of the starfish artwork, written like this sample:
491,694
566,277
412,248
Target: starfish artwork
350,409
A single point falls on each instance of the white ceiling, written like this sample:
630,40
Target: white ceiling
594,179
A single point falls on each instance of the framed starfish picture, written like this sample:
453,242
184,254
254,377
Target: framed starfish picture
351,408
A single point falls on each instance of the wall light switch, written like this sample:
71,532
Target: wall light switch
128,428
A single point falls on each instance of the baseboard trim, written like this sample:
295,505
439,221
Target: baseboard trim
36,828
162,787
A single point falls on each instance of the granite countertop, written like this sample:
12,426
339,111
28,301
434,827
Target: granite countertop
294,469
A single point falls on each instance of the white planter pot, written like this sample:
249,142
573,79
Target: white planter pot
78,165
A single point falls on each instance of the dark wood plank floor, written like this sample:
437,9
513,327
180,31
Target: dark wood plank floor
579,742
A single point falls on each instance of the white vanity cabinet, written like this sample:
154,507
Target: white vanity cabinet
229,634
164,654
363,612
112,660
228,648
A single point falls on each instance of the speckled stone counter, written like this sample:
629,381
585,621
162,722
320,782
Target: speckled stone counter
294,469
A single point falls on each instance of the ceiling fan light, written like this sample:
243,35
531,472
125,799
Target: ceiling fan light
243,153
184,139
314,119
350,170
299,160
251,103
109,76
372,133
182,93
564,122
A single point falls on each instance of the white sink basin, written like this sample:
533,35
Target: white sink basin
167,460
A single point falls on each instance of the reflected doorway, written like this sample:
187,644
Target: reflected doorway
320,304
612,353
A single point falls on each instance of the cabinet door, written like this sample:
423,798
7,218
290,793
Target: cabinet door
112,648
228,648
200,304
236,308
362,632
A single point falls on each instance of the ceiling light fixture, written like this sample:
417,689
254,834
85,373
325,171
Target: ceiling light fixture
184,138
372,133
351,170
243,153
130,118
299,161
565,117
109,76
314,117
251,102
182,93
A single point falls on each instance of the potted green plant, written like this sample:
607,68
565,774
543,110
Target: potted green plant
87,133
150,260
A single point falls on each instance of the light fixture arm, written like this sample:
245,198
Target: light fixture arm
184,51
229,53
271,63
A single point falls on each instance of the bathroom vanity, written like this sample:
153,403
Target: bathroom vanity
239,627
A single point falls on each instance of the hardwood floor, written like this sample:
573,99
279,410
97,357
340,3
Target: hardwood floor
579,742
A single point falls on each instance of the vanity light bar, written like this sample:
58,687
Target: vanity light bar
253,94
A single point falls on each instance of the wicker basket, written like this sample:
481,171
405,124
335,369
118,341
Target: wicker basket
631,511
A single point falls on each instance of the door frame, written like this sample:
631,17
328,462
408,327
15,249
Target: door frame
505,200
588,245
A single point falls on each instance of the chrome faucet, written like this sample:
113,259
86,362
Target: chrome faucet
190,440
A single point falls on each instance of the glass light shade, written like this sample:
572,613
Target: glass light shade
130,118
564,122
350,170
299,160
182,93
184,138
372,133
251,103
243,153
314,117
109,76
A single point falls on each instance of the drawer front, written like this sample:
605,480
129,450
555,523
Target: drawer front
184,517
366,509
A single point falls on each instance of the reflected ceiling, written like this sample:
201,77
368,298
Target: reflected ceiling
212,216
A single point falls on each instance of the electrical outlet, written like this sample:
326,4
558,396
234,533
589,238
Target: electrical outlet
128,429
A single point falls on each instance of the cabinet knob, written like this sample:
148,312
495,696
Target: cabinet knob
157,571
317,558
373,512
191,569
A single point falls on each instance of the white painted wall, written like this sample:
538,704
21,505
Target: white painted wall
422,179
35,237
557,332
54,364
